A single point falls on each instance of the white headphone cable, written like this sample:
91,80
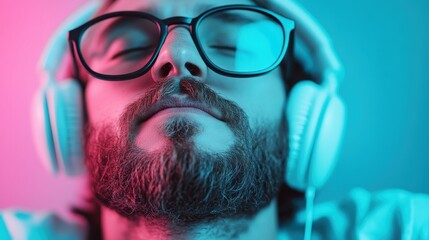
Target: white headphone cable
309,203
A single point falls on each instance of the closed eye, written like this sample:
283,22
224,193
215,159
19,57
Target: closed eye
223,47
147,49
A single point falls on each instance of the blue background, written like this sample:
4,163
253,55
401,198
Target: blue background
384,47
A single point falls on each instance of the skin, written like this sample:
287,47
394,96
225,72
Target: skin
262,98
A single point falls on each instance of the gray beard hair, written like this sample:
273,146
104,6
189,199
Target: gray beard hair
181,184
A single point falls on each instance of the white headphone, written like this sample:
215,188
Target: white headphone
58,107
315,113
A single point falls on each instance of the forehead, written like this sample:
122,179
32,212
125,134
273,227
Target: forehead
169,8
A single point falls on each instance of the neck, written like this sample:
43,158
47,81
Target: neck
261,226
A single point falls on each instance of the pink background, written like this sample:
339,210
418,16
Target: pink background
384,46
25,27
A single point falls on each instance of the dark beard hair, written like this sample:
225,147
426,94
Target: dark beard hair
181,184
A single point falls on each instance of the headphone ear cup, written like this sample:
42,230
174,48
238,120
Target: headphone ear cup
66,113
316,120
57,107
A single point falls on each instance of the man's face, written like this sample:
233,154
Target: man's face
192,156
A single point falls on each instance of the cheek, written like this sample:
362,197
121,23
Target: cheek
262,98
106,101
267,106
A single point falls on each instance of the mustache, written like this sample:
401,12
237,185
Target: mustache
164,94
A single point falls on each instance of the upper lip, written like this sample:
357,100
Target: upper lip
178,102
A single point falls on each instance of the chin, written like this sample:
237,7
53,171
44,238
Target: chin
201,131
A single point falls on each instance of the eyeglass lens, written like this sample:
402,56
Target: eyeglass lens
119,45
241,40
234,40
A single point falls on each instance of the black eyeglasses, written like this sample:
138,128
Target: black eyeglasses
234,40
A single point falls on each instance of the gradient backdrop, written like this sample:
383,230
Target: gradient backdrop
383,44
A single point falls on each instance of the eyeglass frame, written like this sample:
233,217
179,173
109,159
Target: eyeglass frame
75,35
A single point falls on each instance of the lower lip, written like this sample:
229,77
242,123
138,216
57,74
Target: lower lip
181,110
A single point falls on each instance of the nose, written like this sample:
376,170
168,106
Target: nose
179,57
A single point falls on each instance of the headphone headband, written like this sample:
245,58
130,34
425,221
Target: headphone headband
56,48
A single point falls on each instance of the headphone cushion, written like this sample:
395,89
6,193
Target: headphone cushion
299,112
66,112
42,130
327,141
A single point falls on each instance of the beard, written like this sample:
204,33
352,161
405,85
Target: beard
181,183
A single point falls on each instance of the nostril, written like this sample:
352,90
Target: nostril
193,69
164,71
